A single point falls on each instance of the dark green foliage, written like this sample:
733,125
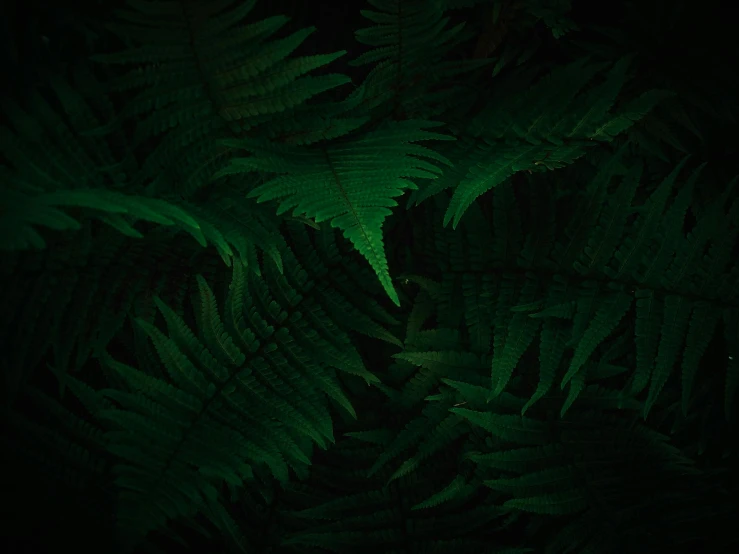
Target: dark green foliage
225,329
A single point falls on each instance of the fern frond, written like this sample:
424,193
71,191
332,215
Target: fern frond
205,77
524,135
238,404
409,46
351,185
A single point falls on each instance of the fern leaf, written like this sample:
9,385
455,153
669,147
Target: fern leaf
606,235
214,333
633,248
552,345
632,112
561,503
612,310
508,427
519,486
454,489
676,316
351,185
671,237
521,332
577,385
539,115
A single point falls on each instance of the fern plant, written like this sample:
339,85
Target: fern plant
225,324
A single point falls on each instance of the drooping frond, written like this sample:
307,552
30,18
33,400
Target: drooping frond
535,130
